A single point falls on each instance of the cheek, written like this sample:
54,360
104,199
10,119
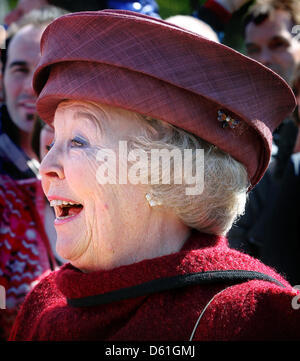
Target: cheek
285,58
80,170
11,87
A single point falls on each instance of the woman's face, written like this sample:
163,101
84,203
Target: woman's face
107,226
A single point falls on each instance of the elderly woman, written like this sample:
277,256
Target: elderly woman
149,260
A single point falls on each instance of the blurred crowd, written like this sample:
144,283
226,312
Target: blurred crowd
268,230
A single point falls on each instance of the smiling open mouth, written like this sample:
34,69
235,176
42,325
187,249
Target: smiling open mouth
65,209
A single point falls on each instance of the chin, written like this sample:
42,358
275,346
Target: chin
65,249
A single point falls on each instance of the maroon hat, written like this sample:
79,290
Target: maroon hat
149,66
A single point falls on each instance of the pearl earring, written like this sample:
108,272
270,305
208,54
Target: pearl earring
151,201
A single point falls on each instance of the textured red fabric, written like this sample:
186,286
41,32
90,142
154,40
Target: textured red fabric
25,253
254,310
158,69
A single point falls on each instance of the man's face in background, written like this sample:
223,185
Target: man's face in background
23,54
273,44
2,46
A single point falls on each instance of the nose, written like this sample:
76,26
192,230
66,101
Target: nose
51,167
28,87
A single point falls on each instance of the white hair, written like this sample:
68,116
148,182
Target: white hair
225,181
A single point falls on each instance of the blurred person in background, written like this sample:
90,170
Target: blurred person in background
269,35
27,237
2,48
27,243
18,114
270,39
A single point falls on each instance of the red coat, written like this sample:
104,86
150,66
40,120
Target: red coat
25,252
253,310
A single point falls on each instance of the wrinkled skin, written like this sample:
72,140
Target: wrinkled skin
116,225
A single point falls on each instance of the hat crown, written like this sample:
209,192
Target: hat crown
169,60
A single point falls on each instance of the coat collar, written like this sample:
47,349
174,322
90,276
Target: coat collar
75,284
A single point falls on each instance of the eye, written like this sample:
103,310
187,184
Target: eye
19,70
78,142
48,147
252,49
278,45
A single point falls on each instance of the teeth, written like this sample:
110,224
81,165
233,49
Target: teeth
63,217
58,202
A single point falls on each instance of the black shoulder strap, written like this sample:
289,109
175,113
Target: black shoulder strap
169,283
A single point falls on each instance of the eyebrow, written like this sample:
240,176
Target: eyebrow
279,37
276,37
17,63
